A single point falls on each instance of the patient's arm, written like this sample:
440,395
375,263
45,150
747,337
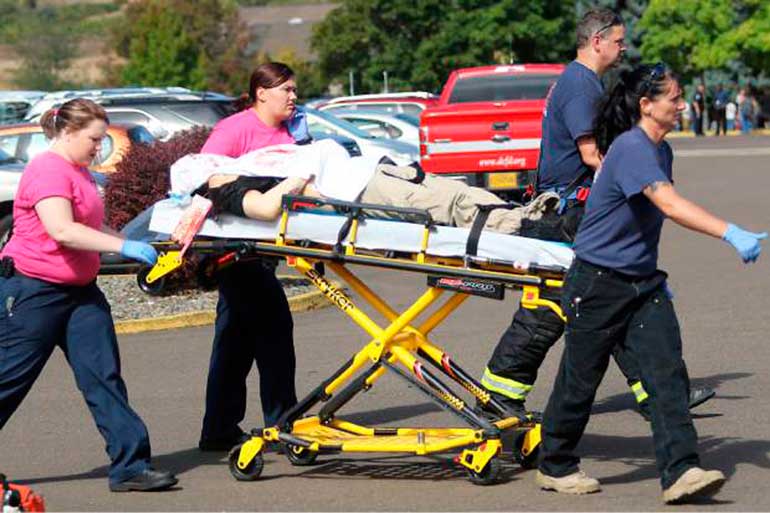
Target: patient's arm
267,206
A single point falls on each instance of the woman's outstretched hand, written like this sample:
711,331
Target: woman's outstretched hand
139,251
745,243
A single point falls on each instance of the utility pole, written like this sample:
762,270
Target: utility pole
352,87
385,80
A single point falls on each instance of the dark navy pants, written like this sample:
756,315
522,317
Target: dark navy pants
35,317
605,309
253,324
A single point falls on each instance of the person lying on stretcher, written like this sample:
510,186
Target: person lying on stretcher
253,185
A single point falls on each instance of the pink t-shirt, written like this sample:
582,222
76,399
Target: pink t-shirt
34,252
243,132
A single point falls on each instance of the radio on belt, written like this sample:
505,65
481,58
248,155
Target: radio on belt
467,286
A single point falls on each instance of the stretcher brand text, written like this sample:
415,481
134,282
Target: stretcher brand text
334,294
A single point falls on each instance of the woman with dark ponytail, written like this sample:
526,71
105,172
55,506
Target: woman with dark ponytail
254,323
49,295
615,294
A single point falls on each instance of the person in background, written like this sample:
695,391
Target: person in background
253,322
721,98
698,105
731,109
614,292
49,296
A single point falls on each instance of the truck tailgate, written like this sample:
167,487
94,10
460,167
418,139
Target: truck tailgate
482,137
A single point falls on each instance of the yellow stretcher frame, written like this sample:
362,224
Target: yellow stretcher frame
397,346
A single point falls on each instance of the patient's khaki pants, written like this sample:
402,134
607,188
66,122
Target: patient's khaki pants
448,201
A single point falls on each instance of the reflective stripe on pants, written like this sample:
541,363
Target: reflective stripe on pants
504,386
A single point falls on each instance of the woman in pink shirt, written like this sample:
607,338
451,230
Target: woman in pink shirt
49,296
253,321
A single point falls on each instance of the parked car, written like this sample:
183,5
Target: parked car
394,103
324,124
163,111
24,141
399,127
10,174
486,127
20,143
14,105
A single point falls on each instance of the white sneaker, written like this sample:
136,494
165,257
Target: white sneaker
576,484
696,482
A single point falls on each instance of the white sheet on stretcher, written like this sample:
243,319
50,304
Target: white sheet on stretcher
373,234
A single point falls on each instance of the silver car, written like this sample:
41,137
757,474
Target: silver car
321,124
399,127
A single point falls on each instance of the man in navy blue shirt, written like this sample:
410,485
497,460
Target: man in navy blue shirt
568,154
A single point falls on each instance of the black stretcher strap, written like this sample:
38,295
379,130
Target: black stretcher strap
472,246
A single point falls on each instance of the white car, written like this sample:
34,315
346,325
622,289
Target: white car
399,127
10,174
323,124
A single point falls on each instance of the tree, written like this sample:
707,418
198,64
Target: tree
692,36
46,45
752,35
199,44
419,43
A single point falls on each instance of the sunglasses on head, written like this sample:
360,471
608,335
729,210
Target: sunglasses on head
615,22
656,72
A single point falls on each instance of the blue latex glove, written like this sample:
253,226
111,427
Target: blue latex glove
745,243
140,251
297,126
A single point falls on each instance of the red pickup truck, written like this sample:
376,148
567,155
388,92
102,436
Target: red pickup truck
486,127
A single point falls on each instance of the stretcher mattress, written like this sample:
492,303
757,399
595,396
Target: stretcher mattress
373,234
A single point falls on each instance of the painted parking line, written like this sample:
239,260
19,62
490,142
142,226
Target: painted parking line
724,152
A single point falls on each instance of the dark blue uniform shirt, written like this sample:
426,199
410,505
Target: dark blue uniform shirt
568,115
621,227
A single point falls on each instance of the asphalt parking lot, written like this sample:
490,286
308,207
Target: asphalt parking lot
52,444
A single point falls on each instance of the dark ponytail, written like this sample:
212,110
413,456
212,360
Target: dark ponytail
619,110
267,76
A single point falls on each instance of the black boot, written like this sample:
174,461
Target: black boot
149,480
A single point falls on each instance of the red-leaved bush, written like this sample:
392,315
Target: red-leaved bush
142,176
141,179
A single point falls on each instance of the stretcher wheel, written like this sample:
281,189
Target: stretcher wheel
528,461
300,456
488,475
153,289
252,471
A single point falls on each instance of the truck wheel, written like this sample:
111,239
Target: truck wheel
6,225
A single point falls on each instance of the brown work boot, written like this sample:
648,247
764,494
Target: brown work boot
696,482
576,484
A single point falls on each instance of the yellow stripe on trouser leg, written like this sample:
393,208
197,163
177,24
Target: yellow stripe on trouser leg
504,386
639,392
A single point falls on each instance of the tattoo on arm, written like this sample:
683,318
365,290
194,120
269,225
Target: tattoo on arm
654,186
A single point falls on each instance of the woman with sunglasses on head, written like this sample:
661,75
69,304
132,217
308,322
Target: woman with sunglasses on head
615,294
49,296
253,322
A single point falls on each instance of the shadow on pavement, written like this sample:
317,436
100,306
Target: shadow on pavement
620,402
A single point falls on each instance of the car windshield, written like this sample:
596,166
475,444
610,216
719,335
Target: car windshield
408,118
5,158
502,88
345,126
200,113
